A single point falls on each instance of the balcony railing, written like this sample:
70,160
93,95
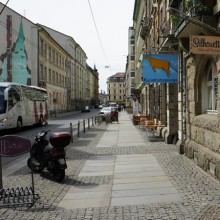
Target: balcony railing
194,7
193,10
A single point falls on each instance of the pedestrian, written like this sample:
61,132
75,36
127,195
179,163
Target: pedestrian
112,115
116,115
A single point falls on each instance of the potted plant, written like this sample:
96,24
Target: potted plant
209,3
201,7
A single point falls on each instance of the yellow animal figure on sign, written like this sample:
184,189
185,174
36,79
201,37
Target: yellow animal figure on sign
161,64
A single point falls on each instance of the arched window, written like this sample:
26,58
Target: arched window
211,88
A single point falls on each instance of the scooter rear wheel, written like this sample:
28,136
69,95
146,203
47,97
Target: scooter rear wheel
59,175
34,165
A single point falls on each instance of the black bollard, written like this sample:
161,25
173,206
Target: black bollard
71,132
84,126
78,128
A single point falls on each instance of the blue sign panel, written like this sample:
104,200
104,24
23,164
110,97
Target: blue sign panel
160,68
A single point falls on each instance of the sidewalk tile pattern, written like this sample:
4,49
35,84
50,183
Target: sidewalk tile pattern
115,173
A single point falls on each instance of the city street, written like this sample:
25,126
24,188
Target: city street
102,126
54,125
115,172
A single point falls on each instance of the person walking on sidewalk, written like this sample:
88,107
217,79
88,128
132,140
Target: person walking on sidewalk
116,115
112,115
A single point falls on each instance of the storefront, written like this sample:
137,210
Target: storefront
202,115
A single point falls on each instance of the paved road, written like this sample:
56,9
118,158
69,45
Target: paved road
61,123
115,172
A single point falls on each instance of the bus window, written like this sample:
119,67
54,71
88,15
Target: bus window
2,101
13,97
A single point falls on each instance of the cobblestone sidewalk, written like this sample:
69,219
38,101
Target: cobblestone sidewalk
199,192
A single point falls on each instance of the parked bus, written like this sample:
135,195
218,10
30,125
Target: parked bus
22,105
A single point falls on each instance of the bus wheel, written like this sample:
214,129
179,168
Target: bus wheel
19,124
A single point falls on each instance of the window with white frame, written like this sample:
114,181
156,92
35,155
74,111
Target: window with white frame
211,87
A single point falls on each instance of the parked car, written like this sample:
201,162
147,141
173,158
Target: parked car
86,109
105,111
100,107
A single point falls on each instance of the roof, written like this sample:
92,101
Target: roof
118,75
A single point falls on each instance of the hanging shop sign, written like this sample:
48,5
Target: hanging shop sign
205,44
13,145
160,68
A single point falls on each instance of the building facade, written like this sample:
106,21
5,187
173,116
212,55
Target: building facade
158,100
130,70
190,107
33,54
103,97
199,65
116,88
77,69
93,87
53,71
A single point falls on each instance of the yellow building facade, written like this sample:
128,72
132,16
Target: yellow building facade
53,72
116,88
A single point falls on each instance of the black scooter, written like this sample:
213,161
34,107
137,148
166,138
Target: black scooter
50,153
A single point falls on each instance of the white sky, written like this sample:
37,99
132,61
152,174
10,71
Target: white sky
74,18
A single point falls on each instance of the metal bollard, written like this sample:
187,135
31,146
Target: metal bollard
71,132
78,128
88,123
84,126
92,121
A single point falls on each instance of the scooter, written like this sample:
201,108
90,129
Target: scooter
49,153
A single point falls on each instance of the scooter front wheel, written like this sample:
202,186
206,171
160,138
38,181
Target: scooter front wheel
59,175
34,165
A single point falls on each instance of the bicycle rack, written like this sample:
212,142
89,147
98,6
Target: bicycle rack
12,145
18,197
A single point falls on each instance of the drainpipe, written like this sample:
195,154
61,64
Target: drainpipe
185,103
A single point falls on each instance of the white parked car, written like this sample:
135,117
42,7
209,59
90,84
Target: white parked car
105,111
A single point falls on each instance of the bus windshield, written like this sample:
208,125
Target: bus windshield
2,101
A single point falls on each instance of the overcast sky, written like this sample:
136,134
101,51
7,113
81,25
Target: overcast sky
74,18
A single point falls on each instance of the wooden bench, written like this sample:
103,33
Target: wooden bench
142,121
151,126
136,119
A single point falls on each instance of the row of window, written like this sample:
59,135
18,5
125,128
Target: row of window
115,98
116,85
56,98
52,77
49,53
114,91
117,79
